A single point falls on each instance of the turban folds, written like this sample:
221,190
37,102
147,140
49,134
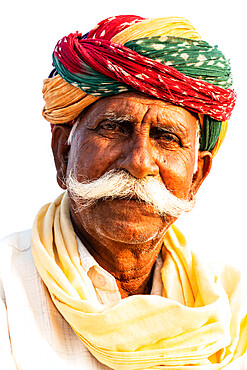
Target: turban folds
162,57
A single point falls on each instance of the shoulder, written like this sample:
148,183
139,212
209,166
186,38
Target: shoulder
13,249
19,241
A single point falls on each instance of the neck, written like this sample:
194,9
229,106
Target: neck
130,264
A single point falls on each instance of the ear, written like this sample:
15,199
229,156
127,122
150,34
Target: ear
203,169
60,149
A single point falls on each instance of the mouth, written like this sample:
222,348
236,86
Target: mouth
129,203
132,198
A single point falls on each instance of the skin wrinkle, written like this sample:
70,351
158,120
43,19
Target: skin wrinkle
172,129
143,119
137,253
125,237
111,116
84,143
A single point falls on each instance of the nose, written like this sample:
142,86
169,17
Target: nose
139,158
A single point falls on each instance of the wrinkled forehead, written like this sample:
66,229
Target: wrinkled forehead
137,107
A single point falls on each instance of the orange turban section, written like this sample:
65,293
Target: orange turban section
63,102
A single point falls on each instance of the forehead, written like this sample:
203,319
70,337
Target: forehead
138,107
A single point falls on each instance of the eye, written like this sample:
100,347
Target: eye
108,125
164,136
112,129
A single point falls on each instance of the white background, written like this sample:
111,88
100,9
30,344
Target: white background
216,228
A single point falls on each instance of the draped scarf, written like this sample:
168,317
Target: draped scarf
196,323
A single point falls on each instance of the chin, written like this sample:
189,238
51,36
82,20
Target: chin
131,234
129,222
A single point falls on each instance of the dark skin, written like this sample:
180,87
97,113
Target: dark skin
146,137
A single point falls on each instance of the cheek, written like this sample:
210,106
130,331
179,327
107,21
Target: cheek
92,158
177,172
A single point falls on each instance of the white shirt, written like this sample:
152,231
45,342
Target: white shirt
33,334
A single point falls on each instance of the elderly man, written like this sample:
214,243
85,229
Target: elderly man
138,109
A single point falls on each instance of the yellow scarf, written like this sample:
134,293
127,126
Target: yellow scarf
196,322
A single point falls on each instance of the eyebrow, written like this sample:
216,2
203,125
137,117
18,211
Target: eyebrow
112,116
171,127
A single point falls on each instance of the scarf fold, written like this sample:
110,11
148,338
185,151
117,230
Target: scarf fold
197,322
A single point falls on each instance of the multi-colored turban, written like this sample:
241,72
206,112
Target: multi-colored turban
162,57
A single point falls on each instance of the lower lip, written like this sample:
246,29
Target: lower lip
130,202
127,200
132,206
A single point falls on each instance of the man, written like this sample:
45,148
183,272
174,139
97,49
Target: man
138,109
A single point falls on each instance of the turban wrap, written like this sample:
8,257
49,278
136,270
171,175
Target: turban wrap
162,57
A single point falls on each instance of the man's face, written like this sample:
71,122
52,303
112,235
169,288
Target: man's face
145,137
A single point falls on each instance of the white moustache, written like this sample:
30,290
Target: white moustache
120,184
